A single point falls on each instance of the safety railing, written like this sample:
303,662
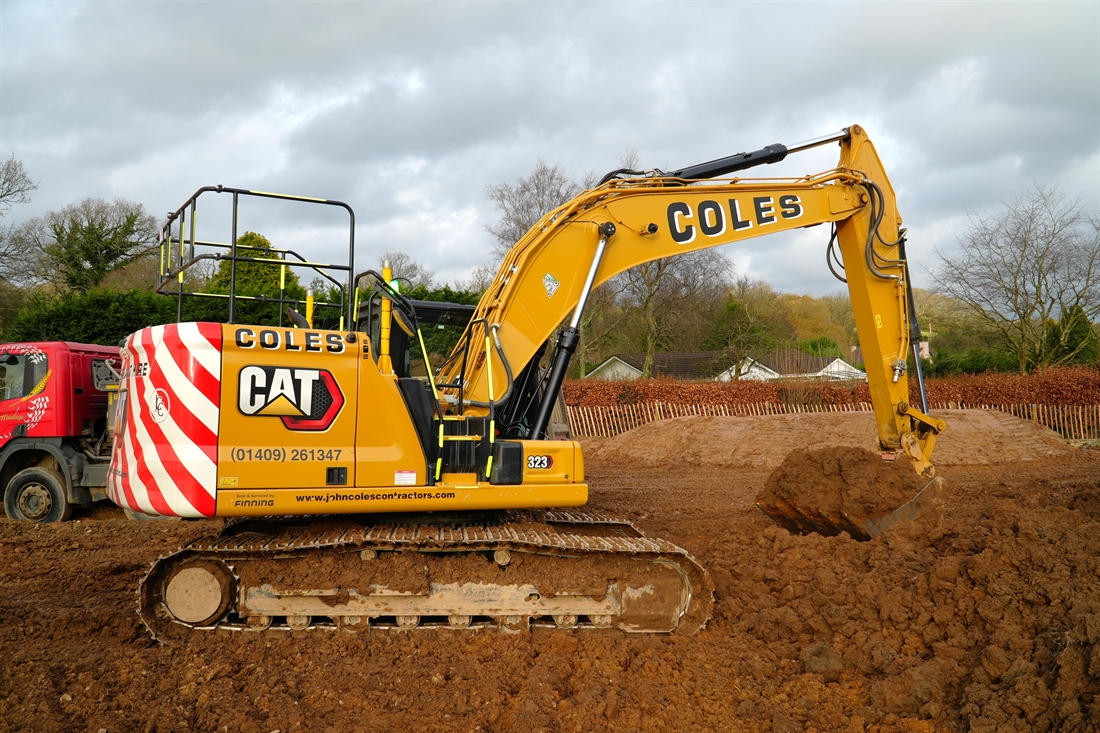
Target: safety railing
181,250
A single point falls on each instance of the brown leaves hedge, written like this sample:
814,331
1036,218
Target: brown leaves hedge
1074,386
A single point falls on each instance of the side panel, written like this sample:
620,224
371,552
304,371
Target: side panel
288,410
552,462
165,452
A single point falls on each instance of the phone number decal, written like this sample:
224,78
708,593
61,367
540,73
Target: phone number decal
277,455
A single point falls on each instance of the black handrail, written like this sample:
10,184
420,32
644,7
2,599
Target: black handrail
173,267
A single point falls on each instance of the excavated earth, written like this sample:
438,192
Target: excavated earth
983,618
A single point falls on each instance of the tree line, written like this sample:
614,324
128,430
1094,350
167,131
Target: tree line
1020,293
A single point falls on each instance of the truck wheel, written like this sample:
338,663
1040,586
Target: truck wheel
37,495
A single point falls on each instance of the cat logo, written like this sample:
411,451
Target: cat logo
304,399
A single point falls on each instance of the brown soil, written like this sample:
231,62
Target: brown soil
972,437
852,482
986,618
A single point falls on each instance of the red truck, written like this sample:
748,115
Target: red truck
55,444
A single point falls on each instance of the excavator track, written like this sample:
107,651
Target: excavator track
509,571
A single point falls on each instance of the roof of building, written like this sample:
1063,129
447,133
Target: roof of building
678,364
793,362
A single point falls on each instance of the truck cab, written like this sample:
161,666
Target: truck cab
54,426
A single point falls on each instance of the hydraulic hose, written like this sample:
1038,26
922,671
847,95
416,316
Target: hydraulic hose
507,371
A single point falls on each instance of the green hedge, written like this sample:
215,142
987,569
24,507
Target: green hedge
972,361
108,316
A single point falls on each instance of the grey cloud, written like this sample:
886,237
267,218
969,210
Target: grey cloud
407,111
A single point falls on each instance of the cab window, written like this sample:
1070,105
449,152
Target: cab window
20,375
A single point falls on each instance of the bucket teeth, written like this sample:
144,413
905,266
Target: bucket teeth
807,520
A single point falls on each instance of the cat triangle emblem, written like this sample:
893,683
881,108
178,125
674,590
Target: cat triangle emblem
551,285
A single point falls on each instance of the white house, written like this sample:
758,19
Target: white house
696,365
750,370
805,367
615,369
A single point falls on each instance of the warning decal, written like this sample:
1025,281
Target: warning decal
551,285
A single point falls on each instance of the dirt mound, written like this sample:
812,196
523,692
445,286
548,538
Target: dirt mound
973,437
844,482
988,437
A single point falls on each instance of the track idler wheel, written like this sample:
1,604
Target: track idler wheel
199,593
185,592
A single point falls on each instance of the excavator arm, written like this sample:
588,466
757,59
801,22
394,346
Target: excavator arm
549,274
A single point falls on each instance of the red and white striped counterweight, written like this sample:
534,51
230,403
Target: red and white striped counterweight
166,437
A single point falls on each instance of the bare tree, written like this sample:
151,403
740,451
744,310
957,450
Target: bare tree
15,184
15,188
408,271
950,324
667,294
478,281
524,202
1031,272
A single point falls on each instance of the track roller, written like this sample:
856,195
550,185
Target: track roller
408,622
298,623
565,621
259,623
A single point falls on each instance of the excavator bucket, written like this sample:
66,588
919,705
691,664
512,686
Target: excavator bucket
846,490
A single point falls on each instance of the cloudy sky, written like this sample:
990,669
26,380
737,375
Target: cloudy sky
408,110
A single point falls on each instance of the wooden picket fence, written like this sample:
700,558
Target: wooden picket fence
1080,422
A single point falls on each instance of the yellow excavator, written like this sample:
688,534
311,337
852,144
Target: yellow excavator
452,507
